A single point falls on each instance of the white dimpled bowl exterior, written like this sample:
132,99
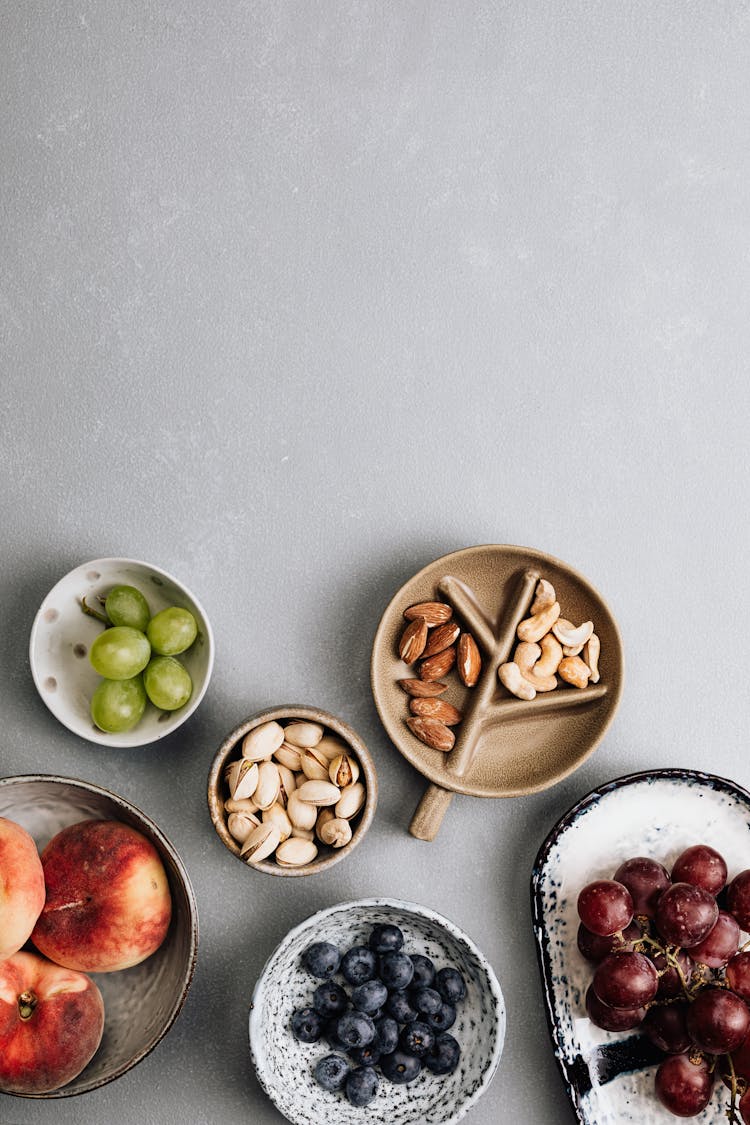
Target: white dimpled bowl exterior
284,1066
62,635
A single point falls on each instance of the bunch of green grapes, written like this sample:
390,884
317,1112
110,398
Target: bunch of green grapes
136,655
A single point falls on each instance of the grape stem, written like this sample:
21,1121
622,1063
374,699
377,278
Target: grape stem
86,608
734,1090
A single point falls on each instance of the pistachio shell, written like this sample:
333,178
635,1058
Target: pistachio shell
343,770
351,801
318,793
244,805
314,765
303,734
240,825
288,783
261,843
295,852
242,778
269,785
288,756
278,816
330,747
336,832
261,742
303,833
301,814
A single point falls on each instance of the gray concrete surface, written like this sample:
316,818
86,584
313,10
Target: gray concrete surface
294,298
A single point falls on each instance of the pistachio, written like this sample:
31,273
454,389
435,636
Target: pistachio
261,843
288,783
278,816
242,778
303,734
336,832
319,793
269,785
330,747
244,805
314,765
240,825
324,816
295,852
288,756
351,801
261,742
343,770
301,814
303,833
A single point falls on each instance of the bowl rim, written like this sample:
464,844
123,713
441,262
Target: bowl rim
169,848
498,1007
307,713
113,740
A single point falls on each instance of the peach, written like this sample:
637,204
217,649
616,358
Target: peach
51,1023
21,887
108,903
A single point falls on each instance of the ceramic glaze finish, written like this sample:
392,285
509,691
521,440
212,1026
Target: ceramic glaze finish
62,635
284,1065
141,1003
610,1078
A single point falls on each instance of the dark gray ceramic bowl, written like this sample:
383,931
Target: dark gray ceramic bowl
142,1003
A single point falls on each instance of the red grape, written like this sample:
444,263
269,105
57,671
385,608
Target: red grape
595,948
626,980
611,1019
701,866
718,1021
645,879
684,1087
721,943
738,975
738,899
686,914
605,907
670,984
666,1027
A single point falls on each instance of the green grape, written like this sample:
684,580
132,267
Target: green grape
118,705
172,631
167,683
127,606
120,653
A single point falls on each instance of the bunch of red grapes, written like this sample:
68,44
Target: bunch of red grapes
668,960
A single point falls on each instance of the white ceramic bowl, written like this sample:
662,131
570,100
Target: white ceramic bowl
284,1065
62,635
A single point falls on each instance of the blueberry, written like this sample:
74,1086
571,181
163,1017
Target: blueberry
399,1067
396,970
330,1072
330,1000
358,964
424,971
355,1029
416,1038
330,1036
444,1055
386,1034
385,938
426,1001
307,1025
321,959
398,1006
370,996
450,985
366,1056
442,1019
361,1085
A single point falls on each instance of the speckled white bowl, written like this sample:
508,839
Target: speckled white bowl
284,1065
610,1077
62,635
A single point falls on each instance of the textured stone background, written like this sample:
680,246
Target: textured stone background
295,297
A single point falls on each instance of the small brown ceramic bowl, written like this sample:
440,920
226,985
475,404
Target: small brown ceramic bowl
230,750
141,1003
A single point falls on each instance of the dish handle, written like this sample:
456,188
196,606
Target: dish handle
429,813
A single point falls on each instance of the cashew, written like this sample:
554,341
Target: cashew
572,650
591,656
569,636
511,678
526,657
534,628
573,670
545,596
552,654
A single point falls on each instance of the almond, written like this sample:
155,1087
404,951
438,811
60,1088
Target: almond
421,688
436,709
434,613
441,637
439,665
469,662
432,732
413,640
